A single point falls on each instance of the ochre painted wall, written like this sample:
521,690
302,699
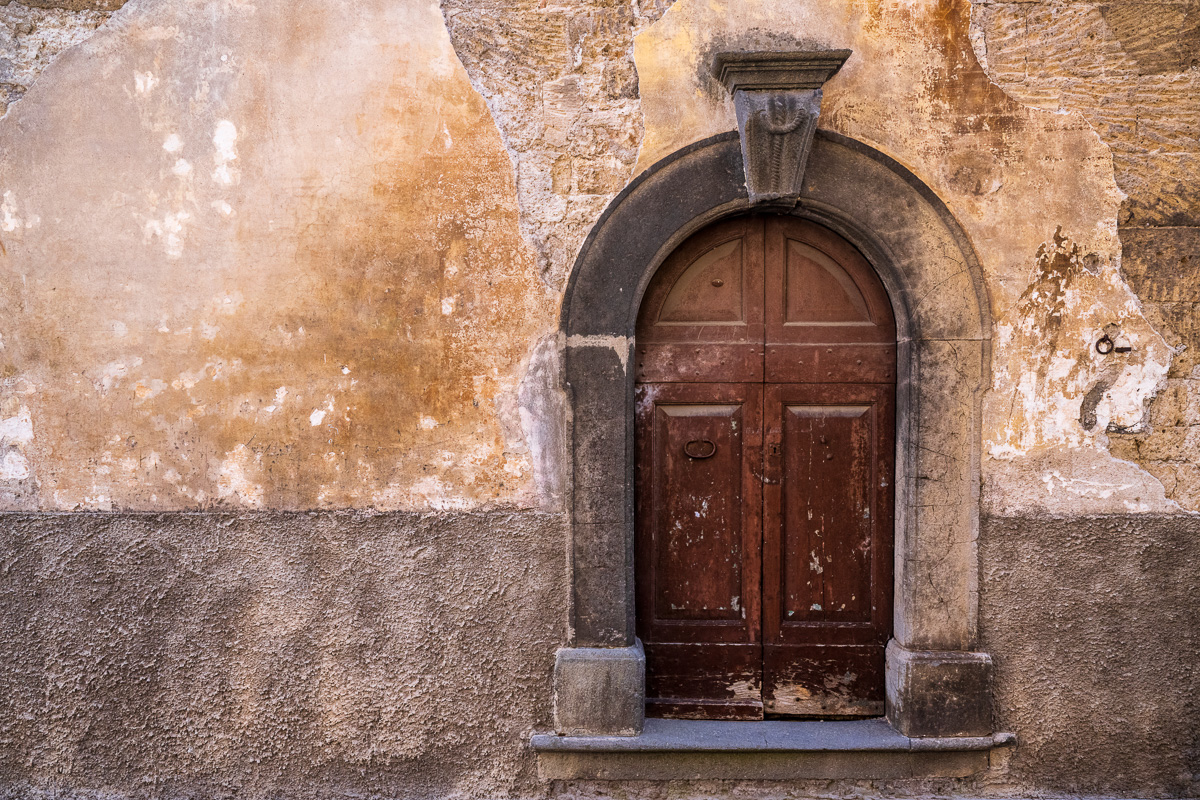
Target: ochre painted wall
263,256
279,295
320,279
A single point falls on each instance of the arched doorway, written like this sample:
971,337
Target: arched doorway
937,683
765,390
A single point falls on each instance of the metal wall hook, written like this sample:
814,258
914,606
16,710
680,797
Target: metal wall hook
1105,345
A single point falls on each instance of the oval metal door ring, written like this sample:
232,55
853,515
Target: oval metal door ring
699,448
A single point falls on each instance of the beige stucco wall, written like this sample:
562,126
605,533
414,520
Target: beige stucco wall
264,256
318,279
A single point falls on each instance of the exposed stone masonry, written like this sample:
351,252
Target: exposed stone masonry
560,82
34,32
1133,70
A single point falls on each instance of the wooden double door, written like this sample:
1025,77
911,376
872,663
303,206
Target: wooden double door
766,373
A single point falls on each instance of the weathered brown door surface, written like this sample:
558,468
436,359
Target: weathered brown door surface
766,352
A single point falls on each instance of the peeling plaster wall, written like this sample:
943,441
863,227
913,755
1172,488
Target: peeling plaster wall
560,81
260,243
284,282
1034,191
273,256
32,34
1132,69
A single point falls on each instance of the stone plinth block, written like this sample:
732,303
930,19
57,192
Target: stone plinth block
939,692
600,691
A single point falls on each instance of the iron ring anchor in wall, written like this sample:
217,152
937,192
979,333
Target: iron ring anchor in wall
1105,345
699,448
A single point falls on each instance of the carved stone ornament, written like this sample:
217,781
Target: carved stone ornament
777,97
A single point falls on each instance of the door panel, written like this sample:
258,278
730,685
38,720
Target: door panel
704,681
710,290
765,368
825,547
817,291
699,504
828,318
823,680
827,550
831,363
698,536
702,317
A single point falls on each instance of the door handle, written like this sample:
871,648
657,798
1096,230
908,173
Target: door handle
699,448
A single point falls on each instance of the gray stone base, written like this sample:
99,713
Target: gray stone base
600,691
677,749
939,692
758,766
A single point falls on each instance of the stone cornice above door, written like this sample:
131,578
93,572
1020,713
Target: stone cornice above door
777,98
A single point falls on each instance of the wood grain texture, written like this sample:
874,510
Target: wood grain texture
765,459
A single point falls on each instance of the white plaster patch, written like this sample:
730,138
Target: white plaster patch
1051,385
448,305
144,82
233,479
225,141
170,229
113,373
316,417
181,169
427,423
14,467
434,493
173,144
15,433
17,430
618,344
280,395
146,389
213,370
8,209
1081,487
10,219
1064,480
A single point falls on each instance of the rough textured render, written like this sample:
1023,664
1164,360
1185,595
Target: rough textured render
1131,70
1093,622
1034,191
267,655
215,296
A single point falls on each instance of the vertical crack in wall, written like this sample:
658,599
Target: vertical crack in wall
561,85
1133,71
34,32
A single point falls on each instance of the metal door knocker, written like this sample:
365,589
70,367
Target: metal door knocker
699,448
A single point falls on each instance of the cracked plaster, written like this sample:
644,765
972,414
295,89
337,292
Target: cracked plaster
582,96
1131,69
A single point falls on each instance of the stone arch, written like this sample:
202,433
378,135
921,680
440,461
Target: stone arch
937,684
